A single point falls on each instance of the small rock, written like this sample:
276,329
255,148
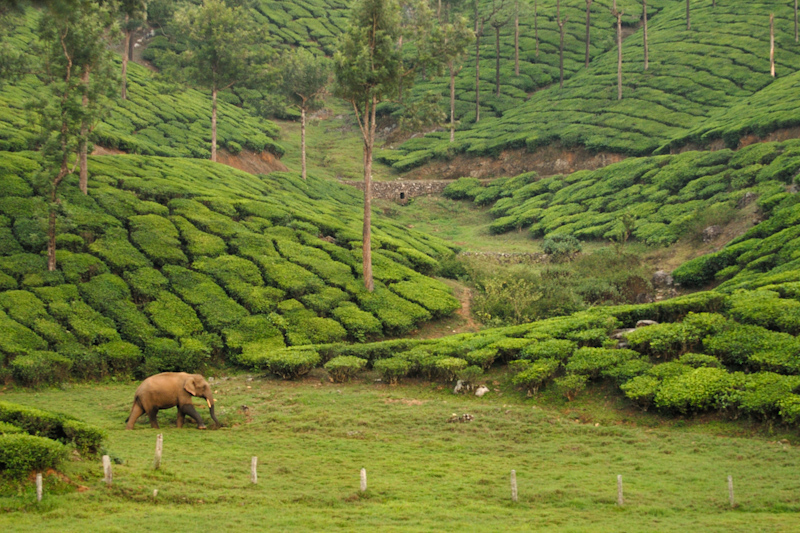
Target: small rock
711,233
620,333
481,391
643,323
662,279
459,387
747,199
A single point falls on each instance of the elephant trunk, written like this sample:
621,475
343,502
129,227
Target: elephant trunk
211,412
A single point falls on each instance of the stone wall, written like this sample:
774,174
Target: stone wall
401,191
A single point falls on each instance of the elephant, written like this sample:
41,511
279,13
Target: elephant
171,389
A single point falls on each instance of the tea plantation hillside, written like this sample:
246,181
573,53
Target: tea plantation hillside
158,118
769,110
656,200
693,75
169,263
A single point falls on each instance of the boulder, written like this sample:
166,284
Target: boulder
643,323
662,278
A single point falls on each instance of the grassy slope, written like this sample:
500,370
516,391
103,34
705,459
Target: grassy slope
692,76
312,438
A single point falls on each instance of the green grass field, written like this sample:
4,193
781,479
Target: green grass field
424,474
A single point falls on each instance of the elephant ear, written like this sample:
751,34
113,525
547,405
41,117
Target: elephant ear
189,386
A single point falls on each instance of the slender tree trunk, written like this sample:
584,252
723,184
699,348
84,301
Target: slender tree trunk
452,103
536,26
83,182
619,56
772,44
561,44
497,60
588,20
644,20
477,66
796,32
688,20
214,124
367,239
125,59
516,38
303,139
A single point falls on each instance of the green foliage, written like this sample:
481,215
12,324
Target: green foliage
594,361
122,357
21,454
86,438
447,368
561,247
558,349
343,368
40,367
697,390
571,384
287,363
360,325
537,374
392,369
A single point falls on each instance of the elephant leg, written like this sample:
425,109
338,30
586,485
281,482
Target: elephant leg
136,412
188,409
181,418
152,414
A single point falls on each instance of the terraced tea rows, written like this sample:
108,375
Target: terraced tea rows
693,75
170,262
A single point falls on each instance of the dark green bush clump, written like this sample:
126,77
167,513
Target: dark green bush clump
288,363
20,454
343,368
40,367
86,438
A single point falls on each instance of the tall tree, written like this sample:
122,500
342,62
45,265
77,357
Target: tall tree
536,25
588,38
688,19
368,67
644,27
305,82
772,44
454,38
223,49
481,18
134,14
561,23
618,15
72,33
500,19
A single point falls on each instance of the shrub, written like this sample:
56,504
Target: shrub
642,390
761,394
40,367
392,369
157,238
20,454
170,314
482,358
344,367
430,294
593,361
288,363
571,384
448,367
549,349
255,328
697,390
756,348
122,357
57,426
626,370
360,325
561,247
469,376
536,374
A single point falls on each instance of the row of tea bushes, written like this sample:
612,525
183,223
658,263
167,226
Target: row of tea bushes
656,199
33,439
158,118
706,354
168,264
693,75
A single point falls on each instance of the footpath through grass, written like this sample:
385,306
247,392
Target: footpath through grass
312,438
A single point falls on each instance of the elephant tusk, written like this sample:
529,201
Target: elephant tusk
208,402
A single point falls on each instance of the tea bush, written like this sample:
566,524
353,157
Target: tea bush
21,454
392,369
287,363
344,367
